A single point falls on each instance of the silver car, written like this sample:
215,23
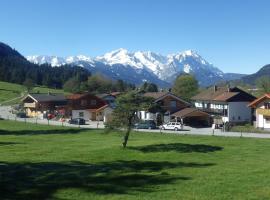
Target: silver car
172,126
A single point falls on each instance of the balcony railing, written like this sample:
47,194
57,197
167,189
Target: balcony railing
29,105
262,111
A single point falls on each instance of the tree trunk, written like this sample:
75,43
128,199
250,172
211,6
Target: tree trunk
127,133
126,138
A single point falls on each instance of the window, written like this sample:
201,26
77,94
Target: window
93,102
83,102
81,114
267,105
225,112
173,104
239,118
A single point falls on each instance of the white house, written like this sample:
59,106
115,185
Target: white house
262,111
231,104
167,101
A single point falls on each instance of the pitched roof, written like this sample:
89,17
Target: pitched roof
98,109
190,112
211,93
102,95
160,95
155,95
254,103
47,97
77,96
223,94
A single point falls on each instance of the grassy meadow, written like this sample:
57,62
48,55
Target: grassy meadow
45,162
11,90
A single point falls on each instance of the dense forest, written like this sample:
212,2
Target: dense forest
16,69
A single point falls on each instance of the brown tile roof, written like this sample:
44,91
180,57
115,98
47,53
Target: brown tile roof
223,94
77,96
159,95
155,95
210,93
190,112
47,97
254,103
98,109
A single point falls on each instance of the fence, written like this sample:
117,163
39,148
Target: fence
92,124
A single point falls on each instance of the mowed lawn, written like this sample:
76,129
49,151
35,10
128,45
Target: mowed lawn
43,162
9,91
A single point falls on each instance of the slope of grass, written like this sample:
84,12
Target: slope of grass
42,162
10,91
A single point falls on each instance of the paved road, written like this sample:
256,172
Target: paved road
5,113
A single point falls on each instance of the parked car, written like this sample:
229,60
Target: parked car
21,115
78,121
147,124
172,126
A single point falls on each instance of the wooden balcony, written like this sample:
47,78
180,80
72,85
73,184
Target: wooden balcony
262,111
29,105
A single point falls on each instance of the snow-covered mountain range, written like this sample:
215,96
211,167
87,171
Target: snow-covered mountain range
140,66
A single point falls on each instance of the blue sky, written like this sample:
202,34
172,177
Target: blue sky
234,35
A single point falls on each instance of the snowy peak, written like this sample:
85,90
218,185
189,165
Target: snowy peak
119,56
142,64
56,61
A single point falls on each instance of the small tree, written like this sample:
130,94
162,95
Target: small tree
124,115
185,86
149,87
29,84
264,84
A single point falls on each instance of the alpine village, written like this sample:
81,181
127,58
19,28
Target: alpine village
82,118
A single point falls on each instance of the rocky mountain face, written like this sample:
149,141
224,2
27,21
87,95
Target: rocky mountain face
138,67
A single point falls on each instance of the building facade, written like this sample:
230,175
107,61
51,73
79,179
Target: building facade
230,104
261,107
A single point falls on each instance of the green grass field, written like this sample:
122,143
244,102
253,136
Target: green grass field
10,91
45,162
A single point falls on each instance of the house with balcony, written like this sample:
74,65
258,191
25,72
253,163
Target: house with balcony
108,98
225,103
88,107
38,104
261,107
167,101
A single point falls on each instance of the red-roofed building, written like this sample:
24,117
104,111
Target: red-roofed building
88,107
261,106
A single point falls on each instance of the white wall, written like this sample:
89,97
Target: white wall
239,109
107,114
261,122
86,114
144,115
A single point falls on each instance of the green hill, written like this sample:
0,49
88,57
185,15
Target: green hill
251,79
10,93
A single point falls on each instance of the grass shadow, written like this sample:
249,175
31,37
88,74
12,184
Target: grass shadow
177,147
43,132
42,180
9,143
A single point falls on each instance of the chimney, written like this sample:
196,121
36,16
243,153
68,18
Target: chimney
228,88
215,88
